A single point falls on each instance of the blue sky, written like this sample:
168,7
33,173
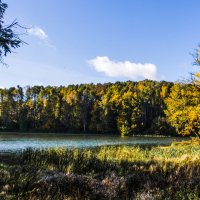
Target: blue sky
84,41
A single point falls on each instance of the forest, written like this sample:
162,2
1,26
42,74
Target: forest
144,108
122,108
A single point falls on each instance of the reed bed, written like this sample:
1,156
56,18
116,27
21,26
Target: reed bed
115,172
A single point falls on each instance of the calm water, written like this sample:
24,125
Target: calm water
14,142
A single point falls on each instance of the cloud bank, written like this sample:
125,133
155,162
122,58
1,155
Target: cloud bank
37,32
125,69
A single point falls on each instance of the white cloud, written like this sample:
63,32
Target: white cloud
41,34
124,69
38,32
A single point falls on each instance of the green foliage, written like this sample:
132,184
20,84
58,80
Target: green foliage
124,108
9,39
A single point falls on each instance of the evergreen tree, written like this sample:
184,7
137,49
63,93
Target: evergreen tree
9,38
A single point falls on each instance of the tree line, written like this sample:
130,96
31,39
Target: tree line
124,108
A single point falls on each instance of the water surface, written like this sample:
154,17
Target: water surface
14,142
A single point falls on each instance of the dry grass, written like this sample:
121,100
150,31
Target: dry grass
121,172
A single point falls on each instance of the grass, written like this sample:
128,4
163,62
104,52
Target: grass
115,172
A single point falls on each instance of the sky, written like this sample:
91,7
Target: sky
98,41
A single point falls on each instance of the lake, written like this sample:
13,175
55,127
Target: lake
14,142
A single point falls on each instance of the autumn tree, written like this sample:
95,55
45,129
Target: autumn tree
183,109
123,108
183,103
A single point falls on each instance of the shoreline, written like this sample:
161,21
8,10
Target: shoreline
88,134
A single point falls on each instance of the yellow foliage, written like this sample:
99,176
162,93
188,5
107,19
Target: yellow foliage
71,97
163,92
183,109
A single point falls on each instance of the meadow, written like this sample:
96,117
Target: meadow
109,172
